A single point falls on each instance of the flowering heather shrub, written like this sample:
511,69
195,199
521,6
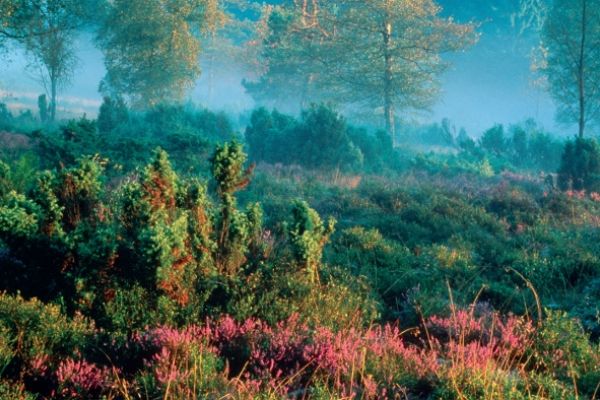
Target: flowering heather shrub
489,356
473,341
186,368
577,194
478,354
376,363
81,380
290,356
472,353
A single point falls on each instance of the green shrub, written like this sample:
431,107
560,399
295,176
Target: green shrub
113,112
10,390
580,165
517,207
308,236
19,217
563,348
493,140
129,310
320,140
35,331
6,118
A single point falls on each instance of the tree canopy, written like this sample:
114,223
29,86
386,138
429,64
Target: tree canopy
571,48
384,55
151,48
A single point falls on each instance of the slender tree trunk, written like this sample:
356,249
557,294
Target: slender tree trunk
390,125
211,74
53,98
304,12
305,95
581,70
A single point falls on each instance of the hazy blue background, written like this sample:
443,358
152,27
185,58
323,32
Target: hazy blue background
487,84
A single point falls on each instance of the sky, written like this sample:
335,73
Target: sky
489,83
492,83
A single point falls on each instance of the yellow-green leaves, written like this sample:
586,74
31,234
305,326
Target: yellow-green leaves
308,236
151,49
381,55
228,168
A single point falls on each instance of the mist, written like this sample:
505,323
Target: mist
489,83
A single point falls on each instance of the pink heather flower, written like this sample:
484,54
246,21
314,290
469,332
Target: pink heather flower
578,194
284,358
80,379
248,387
462,322
227,328
370,387
167,368
480,342
515,333
39,365
164,336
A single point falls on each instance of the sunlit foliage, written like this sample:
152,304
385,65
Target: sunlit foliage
151,49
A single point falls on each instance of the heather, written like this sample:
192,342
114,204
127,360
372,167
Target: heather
222,273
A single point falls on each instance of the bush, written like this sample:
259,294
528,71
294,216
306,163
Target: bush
320,140
493,140
128,138
6,118
580,165
323,143
113,112
129,311
269,136
9,390
563,347
39,333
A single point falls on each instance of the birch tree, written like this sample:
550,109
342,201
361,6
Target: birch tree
47,29
292,62
571,64
379,55
50,43
151,49
390,54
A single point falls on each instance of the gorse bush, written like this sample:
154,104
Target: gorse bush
157,237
